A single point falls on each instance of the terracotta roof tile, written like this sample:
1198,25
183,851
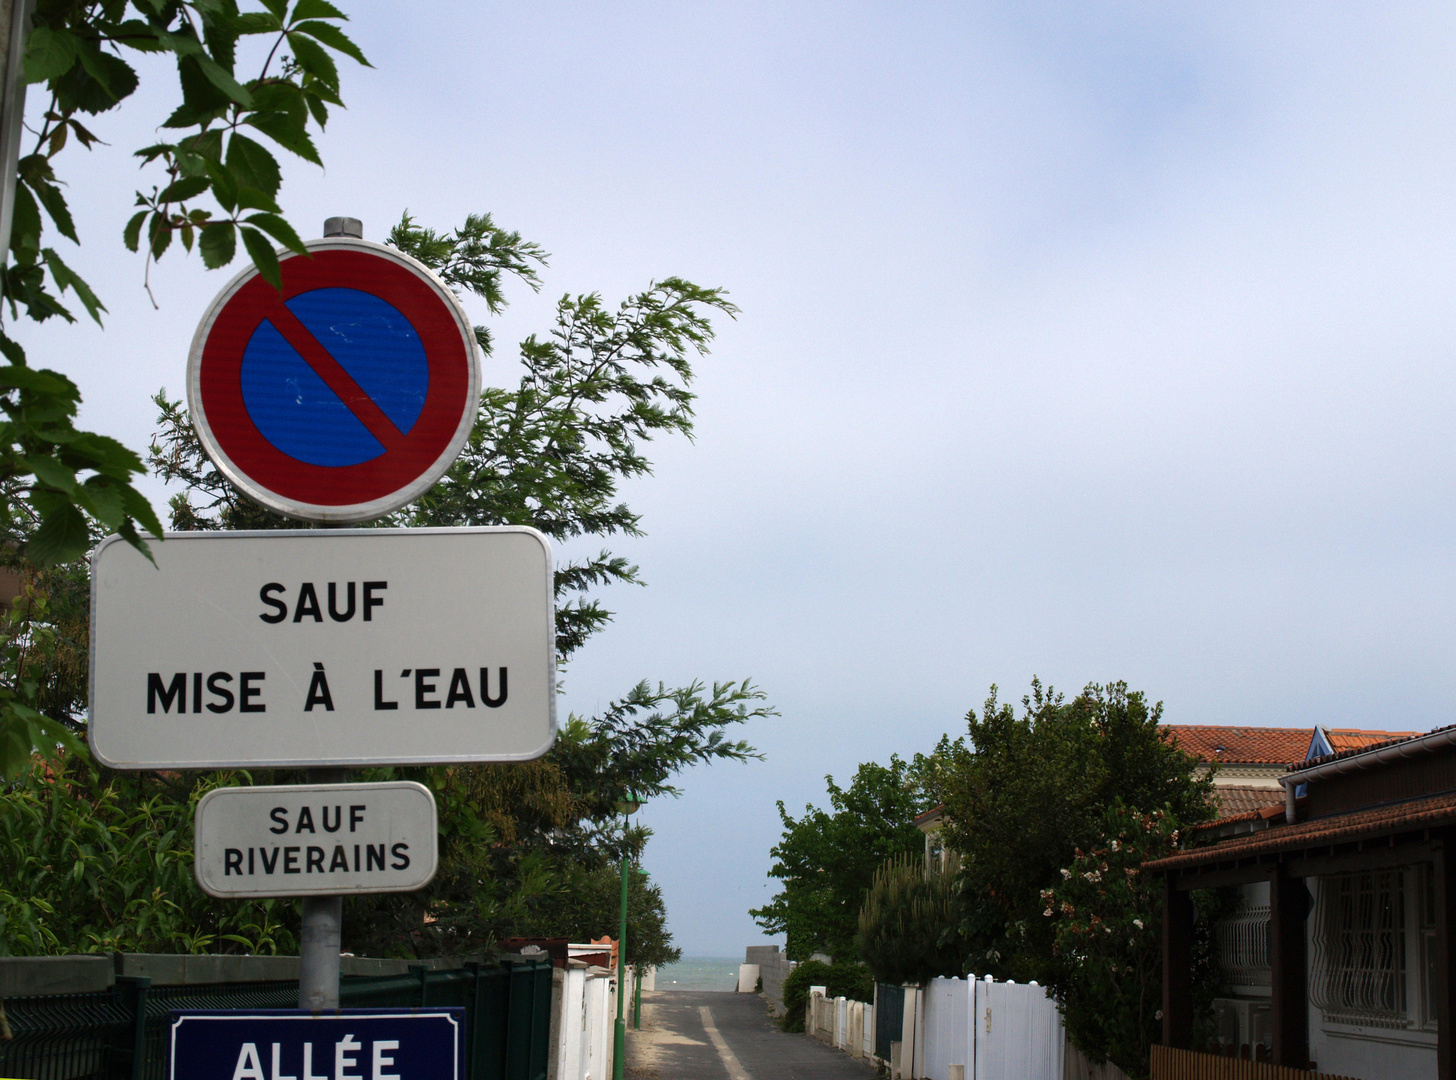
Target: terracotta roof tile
1416,814
1355,739
1237,799
1241,745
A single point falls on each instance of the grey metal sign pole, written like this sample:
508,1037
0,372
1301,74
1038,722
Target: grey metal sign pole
323,925
323,916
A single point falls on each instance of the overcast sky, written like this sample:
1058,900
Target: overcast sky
1091,342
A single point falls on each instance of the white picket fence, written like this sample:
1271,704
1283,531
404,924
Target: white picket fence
842,1023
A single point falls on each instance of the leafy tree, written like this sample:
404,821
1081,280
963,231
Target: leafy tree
909,925
1031,790
217,184
828,858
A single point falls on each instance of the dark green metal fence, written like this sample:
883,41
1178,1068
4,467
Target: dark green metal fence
120,1034
889,1017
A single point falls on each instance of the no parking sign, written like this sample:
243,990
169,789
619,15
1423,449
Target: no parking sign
343,397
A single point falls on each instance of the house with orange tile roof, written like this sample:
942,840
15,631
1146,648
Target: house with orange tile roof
1340,954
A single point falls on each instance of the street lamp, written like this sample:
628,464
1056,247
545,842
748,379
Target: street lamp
628,805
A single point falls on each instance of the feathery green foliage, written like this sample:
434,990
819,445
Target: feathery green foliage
909,926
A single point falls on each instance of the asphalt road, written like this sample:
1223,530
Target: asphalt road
689,1035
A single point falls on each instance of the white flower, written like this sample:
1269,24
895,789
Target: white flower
1116,846
1138,923
1066,874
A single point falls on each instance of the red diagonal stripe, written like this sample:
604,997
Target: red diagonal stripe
334,376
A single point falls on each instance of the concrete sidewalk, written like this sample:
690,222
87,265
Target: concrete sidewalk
688,1035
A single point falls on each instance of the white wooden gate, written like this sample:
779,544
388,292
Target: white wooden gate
997,1031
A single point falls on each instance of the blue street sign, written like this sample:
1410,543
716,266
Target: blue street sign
294,1044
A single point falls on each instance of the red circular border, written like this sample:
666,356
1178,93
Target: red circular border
221,390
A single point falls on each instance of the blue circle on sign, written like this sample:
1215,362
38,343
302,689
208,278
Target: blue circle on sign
298,413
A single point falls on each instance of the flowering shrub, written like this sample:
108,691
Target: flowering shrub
1107,916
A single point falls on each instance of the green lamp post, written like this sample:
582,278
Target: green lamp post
628,805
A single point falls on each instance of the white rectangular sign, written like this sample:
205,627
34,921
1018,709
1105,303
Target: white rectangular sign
323,647
321,839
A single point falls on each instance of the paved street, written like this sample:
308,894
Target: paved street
688,1035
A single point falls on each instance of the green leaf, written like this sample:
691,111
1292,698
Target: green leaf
317,9
264,257
97,84
103,497
62,537
25,223
181,190
287,132
314,60
40,381
257,22
280,230
161,236
132,235
138,507
49,53
278,7
333,37
50,471
138,35
221,78
252,165
253,199
55,203
66,278
218,244
224,187
318,108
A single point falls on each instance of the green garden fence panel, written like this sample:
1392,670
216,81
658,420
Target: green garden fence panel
121,1034
529,1030
160,1000
541,1022
889,1017
489,1030
69,1036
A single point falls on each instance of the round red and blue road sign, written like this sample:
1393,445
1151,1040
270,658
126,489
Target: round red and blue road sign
343,397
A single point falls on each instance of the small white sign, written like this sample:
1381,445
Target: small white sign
320,839
320,647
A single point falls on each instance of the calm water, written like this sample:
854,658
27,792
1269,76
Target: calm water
700,973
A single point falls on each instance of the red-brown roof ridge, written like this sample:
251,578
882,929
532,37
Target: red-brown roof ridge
1241,745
